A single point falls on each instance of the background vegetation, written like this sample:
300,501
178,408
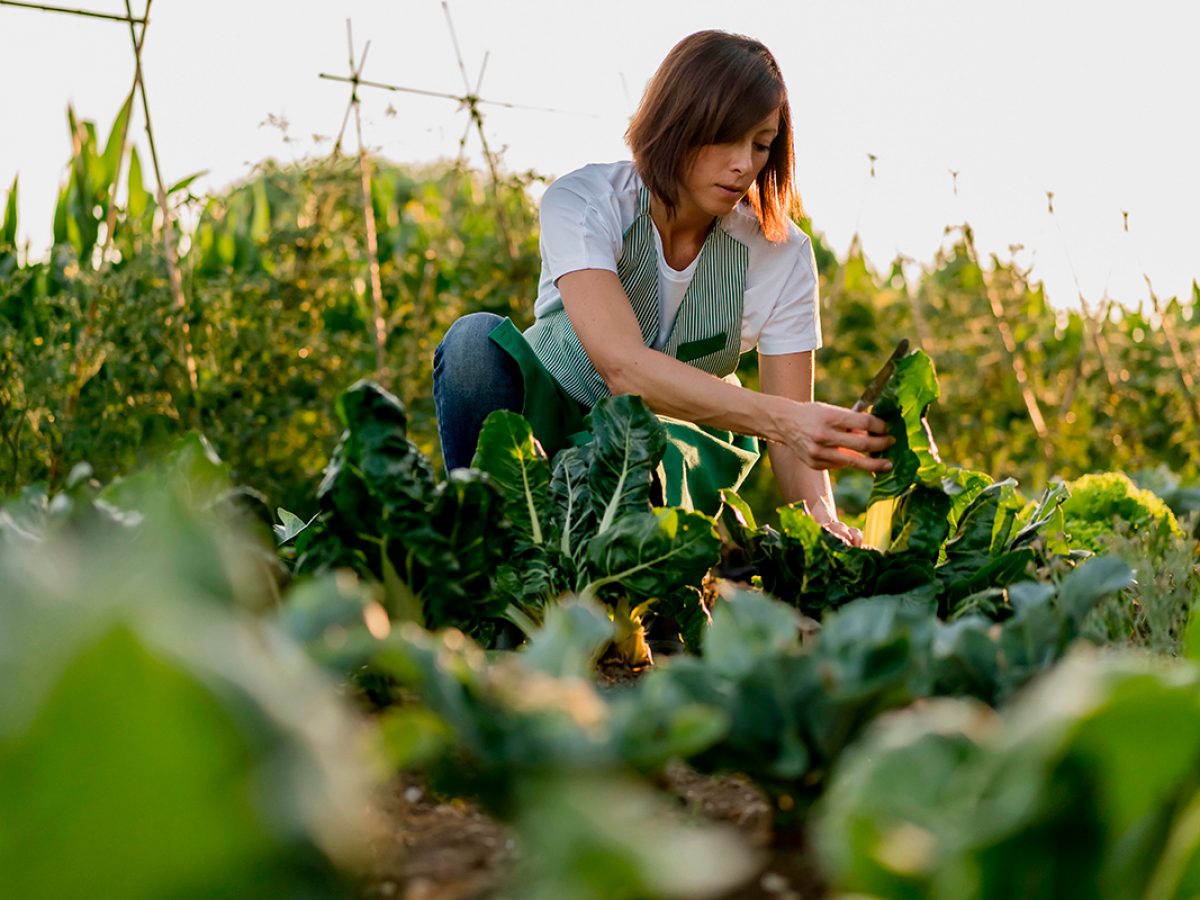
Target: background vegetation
95,362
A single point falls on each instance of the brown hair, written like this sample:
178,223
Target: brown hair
712,88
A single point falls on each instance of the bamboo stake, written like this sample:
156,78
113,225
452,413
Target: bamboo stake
378,328
179,305
74,12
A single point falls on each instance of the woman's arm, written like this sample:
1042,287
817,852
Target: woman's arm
821,436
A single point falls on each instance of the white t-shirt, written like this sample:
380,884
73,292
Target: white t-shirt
584,216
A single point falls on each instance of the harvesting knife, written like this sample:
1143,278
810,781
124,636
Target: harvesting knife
875,388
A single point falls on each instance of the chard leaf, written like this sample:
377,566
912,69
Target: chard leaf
531,579
507,452
737,518
976,558
978,572
1047,509
448,561
573,512
923,522
628,442
977,525
914,456
962,486
376,474
651,554
796,523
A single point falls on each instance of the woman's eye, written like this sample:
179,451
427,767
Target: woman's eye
762,148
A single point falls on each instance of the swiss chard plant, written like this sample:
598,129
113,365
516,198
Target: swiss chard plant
585,524
432,547
955,532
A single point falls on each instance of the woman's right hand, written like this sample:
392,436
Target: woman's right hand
831,437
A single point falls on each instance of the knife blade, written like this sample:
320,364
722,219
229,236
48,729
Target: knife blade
875,388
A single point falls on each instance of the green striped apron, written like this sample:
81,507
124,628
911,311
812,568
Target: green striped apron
561,384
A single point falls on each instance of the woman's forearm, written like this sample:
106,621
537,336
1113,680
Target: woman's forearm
673,388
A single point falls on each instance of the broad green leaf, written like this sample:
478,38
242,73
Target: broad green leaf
507,452
628,442
449,559
977,523
796,523
924,522
875,642
169,785
962,486
574,515
650,554
737,518
191,466
375,466
965,658
914,456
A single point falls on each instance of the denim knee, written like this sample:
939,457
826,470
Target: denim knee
472,377
465,353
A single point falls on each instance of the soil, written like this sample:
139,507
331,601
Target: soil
438,849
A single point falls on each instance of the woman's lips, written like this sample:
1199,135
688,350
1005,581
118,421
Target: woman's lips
730,192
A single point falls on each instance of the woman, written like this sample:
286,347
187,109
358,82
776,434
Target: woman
656,275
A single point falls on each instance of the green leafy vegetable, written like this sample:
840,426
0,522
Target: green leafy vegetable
1057,797
434,548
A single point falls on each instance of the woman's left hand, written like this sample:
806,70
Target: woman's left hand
826,517
851,536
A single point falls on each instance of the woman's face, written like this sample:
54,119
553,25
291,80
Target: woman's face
720,174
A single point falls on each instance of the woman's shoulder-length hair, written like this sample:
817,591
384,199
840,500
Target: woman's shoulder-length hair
712,88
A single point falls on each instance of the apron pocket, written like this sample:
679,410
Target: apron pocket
693,350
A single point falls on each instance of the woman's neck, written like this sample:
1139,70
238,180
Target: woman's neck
682,233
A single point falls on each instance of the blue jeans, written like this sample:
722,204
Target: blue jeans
472,377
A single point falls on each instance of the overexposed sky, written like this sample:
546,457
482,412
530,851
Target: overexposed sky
1096,101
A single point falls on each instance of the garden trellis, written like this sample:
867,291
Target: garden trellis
470,101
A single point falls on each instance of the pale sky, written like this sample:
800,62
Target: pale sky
1096,101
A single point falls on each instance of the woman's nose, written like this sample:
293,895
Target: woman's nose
740,161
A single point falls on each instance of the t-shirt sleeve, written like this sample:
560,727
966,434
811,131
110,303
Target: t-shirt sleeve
578,231
794,325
